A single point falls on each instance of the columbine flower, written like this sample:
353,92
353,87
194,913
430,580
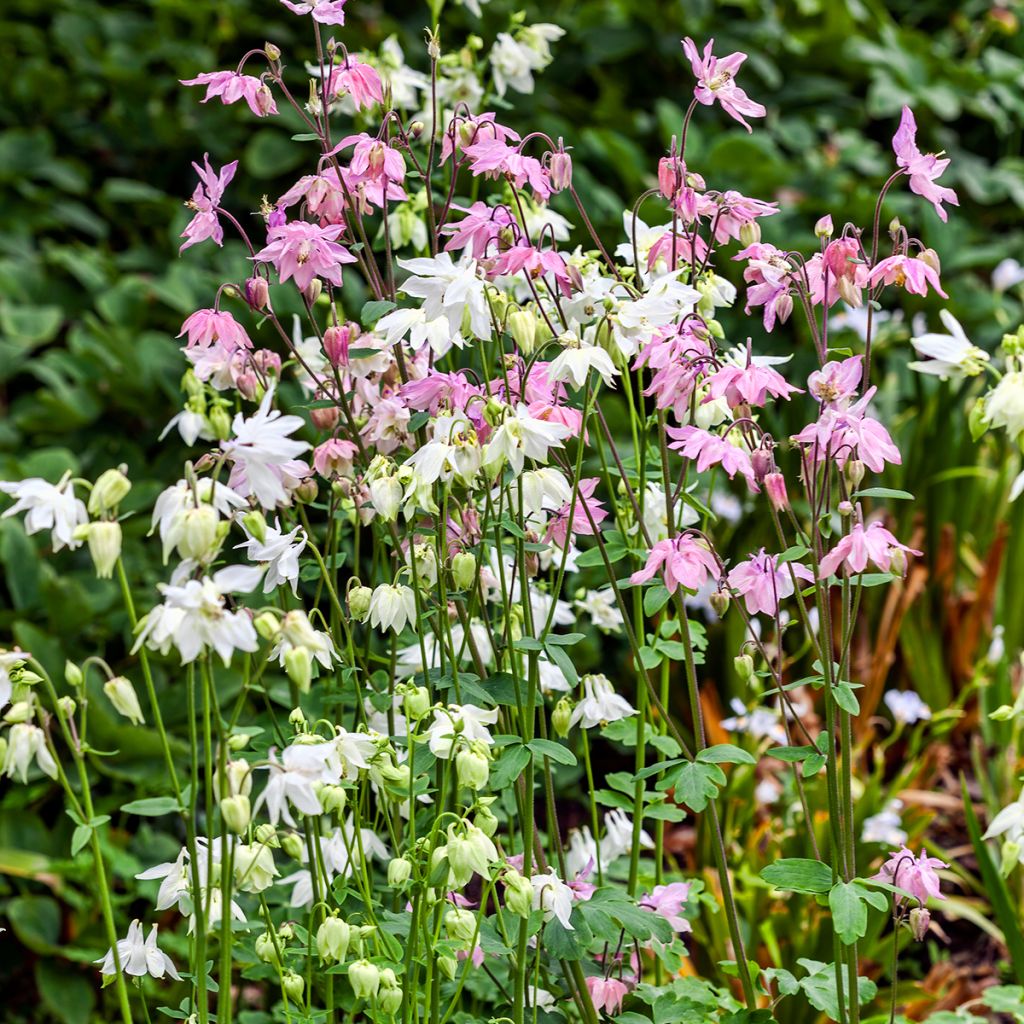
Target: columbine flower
618,837
392,606
606,993
137,957
914,874
553,896
760,723
684,562
278,553
188,517
861,545
836,383
358,80
1009,822
1004,404
264,454
49,507
669,900
907,707
11,663
327,12
449,290
711,450
600,704
205,201
750,384
520,435
574,363
27,742
922,168
948,355
232,87
465,722
907,272
716,81
885,827
193,617
207,328
762,581
602,608
303,251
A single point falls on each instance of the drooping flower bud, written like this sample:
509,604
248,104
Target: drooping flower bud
775,488
358,599
719,601
110,489
266,835
823,229
293,984
522,325
298,664
105,547
473,766
463,570
389,996
518,893
332,940
560,170
121,694
257,292
561,717
325,417
399,872
333,799
744,665
293,846
265,948
364,978
920,920
337,340
236,812
750,234
854,470
460,925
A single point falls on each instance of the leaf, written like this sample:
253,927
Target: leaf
152,807
793,554
695,783
67,995
81,836
786,981
798,874
509,766
373,310
846,698
549,748
655,598
560,656
791,755
820,988
813,765
35,920
849,911
883,492
725,753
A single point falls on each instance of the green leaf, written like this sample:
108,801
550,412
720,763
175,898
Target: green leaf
509,766
883,492
849,911
655,598
560,656
793,554
153,807
695,783
798,874
81,836
813,765
725,753
791,755
553,750
375,309
35,920
820,988
67,995
846,698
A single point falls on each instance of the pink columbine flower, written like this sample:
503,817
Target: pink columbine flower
716,80
373,158
333,458
907,272
762,582
303,251
207,327
232,87
581,524
324,196
836,382
768,277
873,543
466,131
478,229
356,79
534,263
730,211
923,168
843,434
917,875
205,201
669,900
677,249
685,562
492,157
606,994
327,12
711,450
750,385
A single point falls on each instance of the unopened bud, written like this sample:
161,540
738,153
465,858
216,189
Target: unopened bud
358,599
522,325
332,940
293,846
719,601
823,229
200,535
333,798
744,665
750,233
416,702
122,695
104,547
312,291
268,625
920,919
460,925
473,767
931,258
66,706
775,488
561,717
110,489
898,562
448,966
220,422
560,171
273,52
518,893
236,812
464,570
255,524
325,417
257,292
266,950
73,675
337,339
293,984
399,872
364,978
389,997
266,834
763,462
855,471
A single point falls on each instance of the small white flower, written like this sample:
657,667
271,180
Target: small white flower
553,896
948,355
1009,822
603,610
907,707
618,837
576,360
49,507
761,723
1004,404
885,827
392,606
1007,274
9,660
600,704
520,436
137,956
467,722
278,553
449,290
27,742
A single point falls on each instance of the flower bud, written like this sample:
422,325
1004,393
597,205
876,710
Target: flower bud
364,978
744,665
518,893
325,417
293,985
472,766
358,599
312,292
237,741
894,227
73,675
560,171
762,461
561,717
389,998
286,932
200,535
266,834
448,966
849,292
333,799
522,325
463,570
336,343
255,524
1010,856
750,233
898,562
110,489
268,625
399,872
854,470
332,940
66,706
775,488
297,718
220,423
257,292
931,258
416,702
485,820
460,925
122,695
265,949
845,509
273,52
105,547
719,601
22,711
293,846
236,812
823,229
920,919
298,665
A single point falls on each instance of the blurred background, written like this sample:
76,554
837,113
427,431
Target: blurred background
96,141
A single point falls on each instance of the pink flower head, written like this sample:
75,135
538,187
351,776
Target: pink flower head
762,582
843,434
711,450
205,201
730,212
327,12
841,258
917,875
303,251
671,176
478,229
373,158
358,80
323,194
466,131
750,385
907,272
438,389
873,543
606,993
534,263
922,168
716,80
492,157
684,561
677,249
232,87
836,382
669,900
768,278
207,327
581,524
334,458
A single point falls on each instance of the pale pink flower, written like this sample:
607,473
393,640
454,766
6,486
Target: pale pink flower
478,229
209,327
492,157
684,562
356,79
907,272
762,582
205,201
668,901
716,80
303,251
373,158
750,385
534,263
768,278
843,434
711,450
917,875
581,524
232,87
606,994
327,12
922,168
677,248
323,194
728,212
465,131
873,543
334,457
836,382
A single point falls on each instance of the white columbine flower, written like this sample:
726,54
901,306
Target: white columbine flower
600,605
175,519
9,660
449,290
49,507
574,363
600,704
137,956
392,606
1004,404
193,617
948,355
618,837
264,455
553,896
27,742
278,553
520,435
885,827
413,323
761,723
467,721
907,707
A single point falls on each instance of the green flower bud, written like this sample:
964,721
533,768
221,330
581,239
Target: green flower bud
332,940
110,489
416,702
744,665
236,812
473,766
561,717
358,599
220,422
399,872
200,535
364,978
463,570
268,625
255,525
522,325
105,547
298,664
448,966
65,705
518,893
267,835
293,984
389,997
266,950
73,675
293,846
460,925
122,695
333,799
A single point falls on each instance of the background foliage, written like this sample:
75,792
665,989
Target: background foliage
96,138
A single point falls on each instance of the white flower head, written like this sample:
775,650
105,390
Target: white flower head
948,356
138,956
600,704
52,507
